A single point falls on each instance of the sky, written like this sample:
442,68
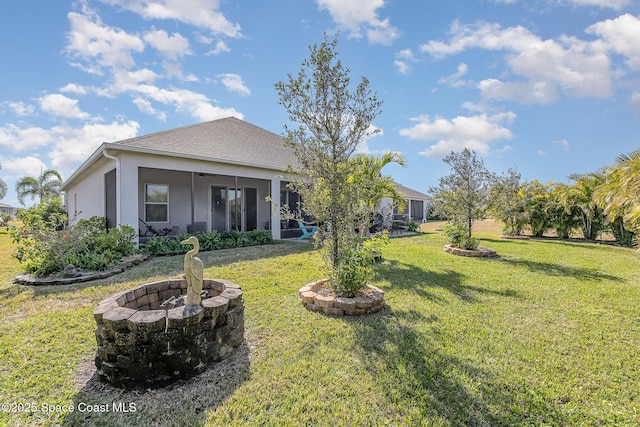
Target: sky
548,87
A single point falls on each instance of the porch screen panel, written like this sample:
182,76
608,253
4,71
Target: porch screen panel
250,209
235,209
156,203
417,208
219,208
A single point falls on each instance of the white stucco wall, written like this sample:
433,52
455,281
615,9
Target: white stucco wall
86,197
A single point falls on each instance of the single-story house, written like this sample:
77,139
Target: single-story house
4,208
417,204
215,175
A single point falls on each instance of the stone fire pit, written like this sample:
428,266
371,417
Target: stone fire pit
141,344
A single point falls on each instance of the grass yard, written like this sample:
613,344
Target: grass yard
546,334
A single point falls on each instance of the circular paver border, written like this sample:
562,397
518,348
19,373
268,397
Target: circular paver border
480,252
28,280
506,236
371,302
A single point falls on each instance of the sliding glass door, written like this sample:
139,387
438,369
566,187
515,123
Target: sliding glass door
234,208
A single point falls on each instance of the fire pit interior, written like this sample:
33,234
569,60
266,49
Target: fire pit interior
146,338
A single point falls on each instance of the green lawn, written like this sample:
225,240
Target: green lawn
546,334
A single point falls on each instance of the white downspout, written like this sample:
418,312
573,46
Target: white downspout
105,153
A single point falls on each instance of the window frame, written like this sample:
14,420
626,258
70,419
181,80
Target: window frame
146,203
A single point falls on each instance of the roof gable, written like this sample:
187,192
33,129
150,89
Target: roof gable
228,140
411,194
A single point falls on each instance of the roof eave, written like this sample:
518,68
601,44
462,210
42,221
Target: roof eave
84,166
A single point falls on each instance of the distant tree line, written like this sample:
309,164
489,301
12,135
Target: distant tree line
607,200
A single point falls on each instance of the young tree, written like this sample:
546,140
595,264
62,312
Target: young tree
331,121
3,187
463,195
44,187
506,203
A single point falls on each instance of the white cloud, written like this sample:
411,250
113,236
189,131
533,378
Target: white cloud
500,152
403,61
613,4
204,14
172,47
473,132
563,143
74,88
193,103
98,44
20,108
221,47
373,131
540,92
59,105
234,83
24,166
545,67
67,146
621,35
145,106
16,138
361,15
454,80
74,145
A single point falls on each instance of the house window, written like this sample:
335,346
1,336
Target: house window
156,203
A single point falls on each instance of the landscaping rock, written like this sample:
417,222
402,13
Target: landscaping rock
143,347
372,301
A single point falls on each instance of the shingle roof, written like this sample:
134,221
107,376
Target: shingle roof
411,194
229,140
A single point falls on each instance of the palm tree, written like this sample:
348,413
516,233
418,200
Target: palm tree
591,213
371,186
47,185
562,210
3,187
536,198
620,195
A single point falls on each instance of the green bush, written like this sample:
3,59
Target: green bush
355,266
46,247
413,226
170,245
469,243
455,233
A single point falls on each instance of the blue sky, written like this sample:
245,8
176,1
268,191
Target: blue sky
550,87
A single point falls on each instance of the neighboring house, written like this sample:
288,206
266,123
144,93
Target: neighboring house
215,175
4,208
417,204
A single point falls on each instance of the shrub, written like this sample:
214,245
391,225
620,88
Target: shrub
45,247
413,226
170,245
454,233
355,265
469,243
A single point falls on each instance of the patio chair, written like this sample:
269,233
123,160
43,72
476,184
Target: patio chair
307,230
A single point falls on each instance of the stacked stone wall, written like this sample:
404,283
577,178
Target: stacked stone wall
141,344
